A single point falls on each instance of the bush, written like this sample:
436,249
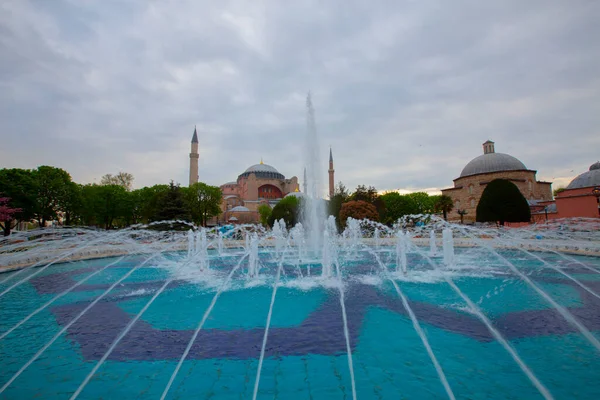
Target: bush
286,209
358,209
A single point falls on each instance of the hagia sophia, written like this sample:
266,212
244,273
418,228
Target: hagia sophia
263,184
258,184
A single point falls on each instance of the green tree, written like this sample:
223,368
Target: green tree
124,179
358,209
397,206
362,193
340,196
172,205
443,204
501,202
204,202
264,212
105,205
287,209
145,203
52,191
72,203
19,185
423,202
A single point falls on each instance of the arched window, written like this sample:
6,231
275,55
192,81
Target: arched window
457,204
472,202
530,185
471,189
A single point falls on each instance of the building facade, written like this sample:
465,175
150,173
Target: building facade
580,199
258,184
480,171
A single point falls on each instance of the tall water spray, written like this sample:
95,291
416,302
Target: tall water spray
313,213
190,238
253,256
432,244
203,250
401,247
329,255
448,246
220,243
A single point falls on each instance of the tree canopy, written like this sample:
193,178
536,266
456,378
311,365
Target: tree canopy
501,202
204,202
264,212
172,205
443,204
358,209
287,209
123,179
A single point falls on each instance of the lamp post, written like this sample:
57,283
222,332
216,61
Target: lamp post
596,192
546,212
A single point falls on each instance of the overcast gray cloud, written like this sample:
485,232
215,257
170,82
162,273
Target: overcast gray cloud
404,91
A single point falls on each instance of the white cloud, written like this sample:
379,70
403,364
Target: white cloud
404,92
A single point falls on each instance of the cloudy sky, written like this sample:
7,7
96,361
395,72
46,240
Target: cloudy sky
405,91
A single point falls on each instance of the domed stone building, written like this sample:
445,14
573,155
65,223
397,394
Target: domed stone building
258,184
579,199
483,169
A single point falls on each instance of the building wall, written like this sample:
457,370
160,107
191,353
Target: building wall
577,203
247,190
468,190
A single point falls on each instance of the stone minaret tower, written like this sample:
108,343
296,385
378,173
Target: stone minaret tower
194,159
331,171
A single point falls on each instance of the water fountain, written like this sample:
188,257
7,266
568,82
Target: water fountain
448,246
432,243
401,248
287,316
509,313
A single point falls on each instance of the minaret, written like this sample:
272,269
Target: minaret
304,184
331,171
194,159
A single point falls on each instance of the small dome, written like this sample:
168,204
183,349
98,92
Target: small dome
229,184
239,209
587,179
492,162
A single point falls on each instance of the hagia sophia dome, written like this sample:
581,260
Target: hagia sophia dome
262,171
588,178
491,161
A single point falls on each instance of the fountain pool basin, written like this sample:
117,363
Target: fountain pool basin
305,355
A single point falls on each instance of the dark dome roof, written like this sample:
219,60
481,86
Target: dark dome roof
587,179
492,162
262,171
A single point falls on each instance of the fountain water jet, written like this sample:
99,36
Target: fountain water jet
401,248
432,244
313,212
448,247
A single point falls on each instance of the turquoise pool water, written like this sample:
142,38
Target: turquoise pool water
305,356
